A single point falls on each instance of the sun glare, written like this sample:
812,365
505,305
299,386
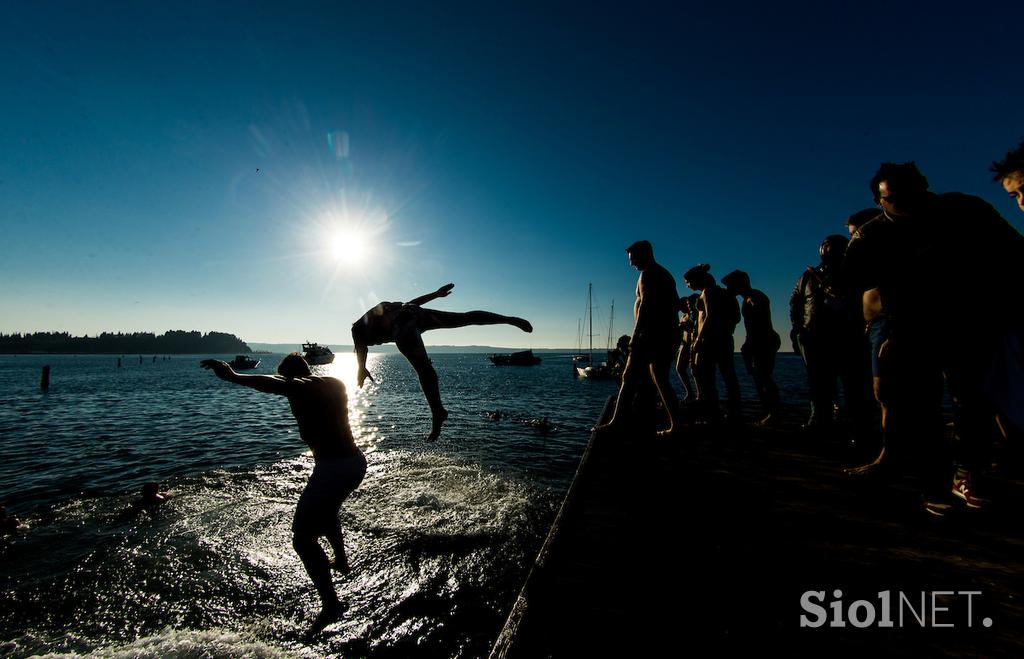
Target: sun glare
350,247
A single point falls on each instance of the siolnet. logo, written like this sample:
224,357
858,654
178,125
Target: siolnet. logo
935,609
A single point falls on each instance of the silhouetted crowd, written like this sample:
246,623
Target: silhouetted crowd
919,301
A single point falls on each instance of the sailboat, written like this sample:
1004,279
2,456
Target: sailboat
602,371
580,358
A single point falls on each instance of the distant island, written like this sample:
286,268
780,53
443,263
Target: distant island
174,342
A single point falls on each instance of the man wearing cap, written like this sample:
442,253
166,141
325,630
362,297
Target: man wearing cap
655,337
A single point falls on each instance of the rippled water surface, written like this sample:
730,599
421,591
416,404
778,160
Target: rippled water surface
440,535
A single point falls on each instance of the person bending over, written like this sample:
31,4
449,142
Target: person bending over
320,407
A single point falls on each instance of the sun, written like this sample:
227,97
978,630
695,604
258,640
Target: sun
350,247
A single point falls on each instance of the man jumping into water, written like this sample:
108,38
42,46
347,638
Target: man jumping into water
320,407
403,323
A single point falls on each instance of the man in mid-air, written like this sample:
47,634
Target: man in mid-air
403,323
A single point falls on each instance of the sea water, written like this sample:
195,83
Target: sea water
440,535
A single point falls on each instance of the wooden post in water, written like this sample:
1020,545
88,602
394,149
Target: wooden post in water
140,359
44,380
119,362
154,359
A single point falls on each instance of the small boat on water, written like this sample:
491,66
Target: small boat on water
522,358
584,366
317,355
243,363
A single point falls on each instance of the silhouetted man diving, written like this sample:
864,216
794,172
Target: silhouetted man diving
403,323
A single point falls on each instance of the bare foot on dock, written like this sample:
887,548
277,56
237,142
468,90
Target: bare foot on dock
876,468
607,429
340,564
435,425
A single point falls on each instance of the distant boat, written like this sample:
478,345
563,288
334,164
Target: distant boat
243,363
523,358
317,354
584,365
579,358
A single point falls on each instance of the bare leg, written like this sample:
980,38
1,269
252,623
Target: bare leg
451,319
660,374
411,346
624,400
317,567
337,542
682,370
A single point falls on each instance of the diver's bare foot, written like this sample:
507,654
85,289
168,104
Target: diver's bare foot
329,614
435,425
610,428
766,421
871,470
664,434
522,324
340,564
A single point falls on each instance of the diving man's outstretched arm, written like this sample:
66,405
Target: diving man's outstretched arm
444,291
361,373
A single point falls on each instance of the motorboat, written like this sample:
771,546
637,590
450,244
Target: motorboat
244,363
522,358
317,355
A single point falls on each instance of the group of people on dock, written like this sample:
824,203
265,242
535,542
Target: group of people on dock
700,341
873,319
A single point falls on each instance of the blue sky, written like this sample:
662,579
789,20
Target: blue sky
513,150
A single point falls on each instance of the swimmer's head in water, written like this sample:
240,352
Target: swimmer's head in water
293,366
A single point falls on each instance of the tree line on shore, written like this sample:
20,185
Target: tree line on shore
173,342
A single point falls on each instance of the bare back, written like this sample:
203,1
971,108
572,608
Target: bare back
320,406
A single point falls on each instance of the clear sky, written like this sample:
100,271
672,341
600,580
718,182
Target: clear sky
190,165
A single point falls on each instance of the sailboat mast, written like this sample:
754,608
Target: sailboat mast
611,321
590,314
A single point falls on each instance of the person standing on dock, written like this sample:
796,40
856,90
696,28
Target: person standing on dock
717,317
655,338
1006,376
762,341
924,238
403,323
320,407
828,333
687,333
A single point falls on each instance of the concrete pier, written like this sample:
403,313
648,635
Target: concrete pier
709,544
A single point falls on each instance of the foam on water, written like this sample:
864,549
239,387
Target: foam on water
432,540
187,644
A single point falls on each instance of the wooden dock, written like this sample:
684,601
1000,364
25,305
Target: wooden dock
704,545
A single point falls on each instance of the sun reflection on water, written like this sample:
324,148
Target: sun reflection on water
343,367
